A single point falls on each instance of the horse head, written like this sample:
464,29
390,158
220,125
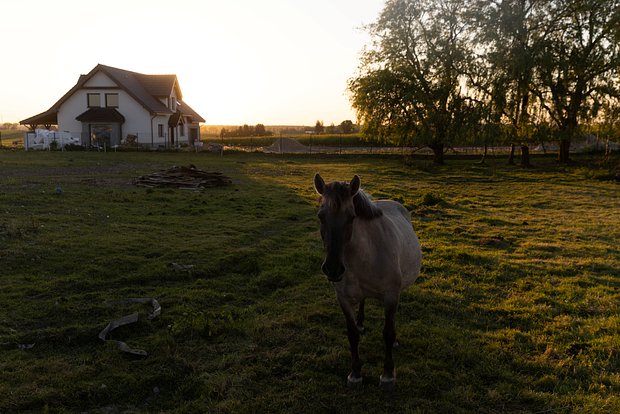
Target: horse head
336,213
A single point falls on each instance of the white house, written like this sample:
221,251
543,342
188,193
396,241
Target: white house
110,106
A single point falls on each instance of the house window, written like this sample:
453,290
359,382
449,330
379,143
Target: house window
100,135
173,104
181,130
160,130
111,100
94,100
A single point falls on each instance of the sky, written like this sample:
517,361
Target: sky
275,62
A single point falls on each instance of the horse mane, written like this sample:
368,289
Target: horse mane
364,206
337,192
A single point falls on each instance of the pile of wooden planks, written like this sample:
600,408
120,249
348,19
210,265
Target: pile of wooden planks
190,178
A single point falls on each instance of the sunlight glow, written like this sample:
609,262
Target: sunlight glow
242,61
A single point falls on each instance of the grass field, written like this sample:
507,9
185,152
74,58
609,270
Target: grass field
516,309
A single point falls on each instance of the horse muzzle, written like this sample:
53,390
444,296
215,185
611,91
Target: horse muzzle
333,271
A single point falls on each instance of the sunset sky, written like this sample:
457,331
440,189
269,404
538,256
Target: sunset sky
276,62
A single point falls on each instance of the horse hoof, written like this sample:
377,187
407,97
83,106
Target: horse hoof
354,382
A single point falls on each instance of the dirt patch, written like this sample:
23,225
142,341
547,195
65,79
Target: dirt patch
286,145
493,241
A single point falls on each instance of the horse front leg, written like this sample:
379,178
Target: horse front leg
361,317
389,336
353,333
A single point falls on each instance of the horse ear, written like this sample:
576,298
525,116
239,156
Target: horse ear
355,185
319,183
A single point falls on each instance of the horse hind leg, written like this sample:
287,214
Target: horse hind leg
388,379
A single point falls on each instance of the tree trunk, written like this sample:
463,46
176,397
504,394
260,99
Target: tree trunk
437,153
563,155
525,156
511,158
484,155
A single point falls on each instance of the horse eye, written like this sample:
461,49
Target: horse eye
321,215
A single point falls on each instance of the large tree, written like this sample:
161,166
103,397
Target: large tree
510,36
578,63
409,86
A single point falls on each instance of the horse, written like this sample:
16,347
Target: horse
371,251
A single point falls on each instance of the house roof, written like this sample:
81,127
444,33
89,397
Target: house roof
48,117
101,115
145,89
174,119
186,110
159,85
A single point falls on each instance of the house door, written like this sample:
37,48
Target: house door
193,136
171,136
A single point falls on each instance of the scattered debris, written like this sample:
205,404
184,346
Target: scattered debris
25,347
188,177
129,319
213,147
181,268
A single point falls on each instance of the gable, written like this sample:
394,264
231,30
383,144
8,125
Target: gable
100,80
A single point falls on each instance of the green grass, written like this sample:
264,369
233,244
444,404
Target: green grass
516,310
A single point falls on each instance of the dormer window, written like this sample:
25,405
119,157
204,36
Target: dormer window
94,100
173,104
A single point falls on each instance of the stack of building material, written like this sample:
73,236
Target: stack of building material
189,177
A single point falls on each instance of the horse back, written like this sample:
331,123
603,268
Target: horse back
406,244
384,255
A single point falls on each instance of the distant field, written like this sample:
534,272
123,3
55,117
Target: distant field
11,138
335,140
516,310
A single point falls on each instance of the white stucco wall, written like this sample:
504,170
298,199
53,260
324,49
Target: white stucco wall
100,80
72,107
163,120
137,118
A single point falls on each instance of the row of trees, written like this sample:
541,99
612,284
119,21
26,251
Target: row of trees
246,131
10,125
445,72
345,127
